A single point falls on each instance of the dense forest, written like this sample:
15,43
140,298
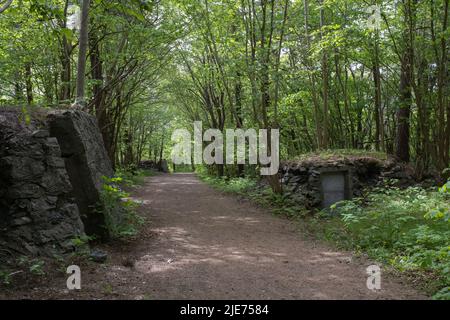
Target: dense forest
351,77
369,75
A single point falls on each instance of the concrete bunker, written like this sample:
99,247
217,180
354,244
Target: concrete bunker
317,182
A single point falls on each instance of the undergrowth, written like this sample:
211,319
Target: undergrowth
119,209
249,188
407,229
341,153
132,178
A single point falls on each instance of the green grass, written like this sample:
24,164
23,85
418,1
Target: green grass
132,179
341,153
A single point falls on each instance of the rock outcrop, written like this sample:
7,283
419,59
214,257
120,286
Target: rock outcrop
87,163
38,214
52,166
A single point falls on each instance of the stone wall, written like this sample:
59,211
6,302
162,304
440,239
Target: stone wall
38,215
302,179
161,166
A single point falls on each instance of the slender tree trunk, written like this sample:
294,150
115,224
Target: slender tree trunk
97,75
443,107
65,92
403,113
239,122
406,78
317,118
378,115
81,71
29,83
325,111
423,150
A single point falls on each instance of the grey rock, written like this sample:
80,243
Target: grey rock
20,222
86,161
51,200
22,168
98,256
52,147
25,191
40,134
55,181
56,162
38,213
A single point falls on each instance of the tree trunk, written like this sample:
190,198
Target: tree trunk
324,144
66,72
97,104
5,5
378,115
406,81
443,129
81,71
29,83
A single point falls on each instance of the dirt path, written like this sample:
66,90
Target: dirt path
202,244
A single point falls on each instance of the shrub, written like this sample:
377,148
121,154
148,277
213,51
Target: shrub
408,229
113,198
133,178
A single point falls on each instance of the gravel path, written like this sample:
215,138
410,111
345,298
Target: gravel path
212,246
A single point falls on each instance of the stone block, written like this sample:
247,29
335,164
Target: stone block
86,162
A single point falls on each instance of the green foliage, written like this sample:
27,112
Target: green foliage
183,168
25,116
22,265
408,229
35,266
81,245
132,178
443,294
233,185
263,196
341,153
5,276
114,199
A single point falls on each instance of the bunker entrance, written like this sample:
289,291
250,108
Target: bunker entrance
335,187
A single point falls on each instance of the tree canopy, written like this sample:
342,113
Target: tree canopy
330,74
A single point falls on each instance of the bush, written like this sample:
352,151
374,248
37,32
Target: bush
134,177
408,229
113,198
233,185
263,196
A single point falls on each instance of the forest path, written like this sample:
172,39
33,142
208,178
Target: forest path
209,245
199,243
